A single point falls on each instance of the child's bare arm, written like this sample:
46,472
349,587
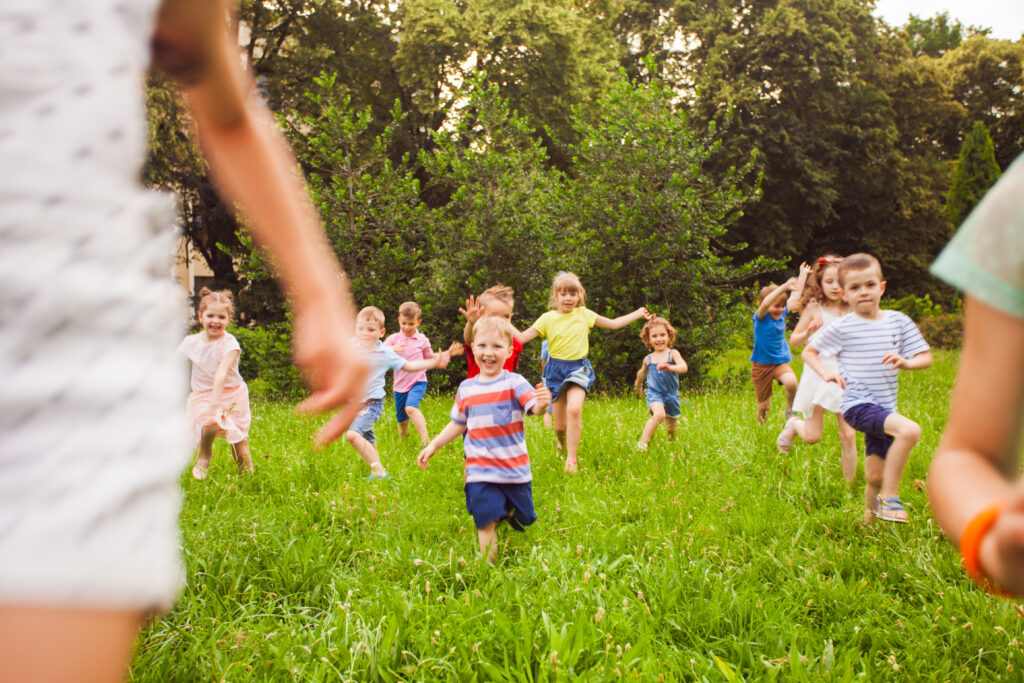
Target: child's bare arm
978,460
641,376
918,362
447,435
543,395
254,168
675,363
622,320
526,336
219,378
774,296
812,357
808,324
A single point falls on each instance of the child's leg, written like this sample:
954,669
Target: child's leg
848,448
558,410
56,643
656,418
906,433
574,396
874,468
547,420
488,539
809,430
419,423
670,427
242,456
366,449
789,383
762,410
403,428
202,465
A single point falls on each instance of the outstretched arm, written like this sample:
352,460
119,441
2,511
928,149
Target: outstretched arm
776,294
798,286
447,435
254,168
526,336
978,460
641,376
622,320
808,324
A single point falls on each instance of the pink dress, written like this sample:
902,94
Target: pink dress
233,415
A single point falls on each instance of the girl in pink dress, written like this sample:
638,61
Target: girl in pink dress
219,403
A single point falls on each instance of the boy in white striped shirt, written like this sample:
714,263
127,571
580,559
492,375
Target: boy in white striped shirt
872,345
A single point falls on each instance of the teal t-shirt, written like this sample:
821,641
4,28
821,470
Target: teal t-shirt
985,258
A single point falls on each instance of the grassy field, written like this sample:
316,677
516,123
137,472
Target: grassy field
711,558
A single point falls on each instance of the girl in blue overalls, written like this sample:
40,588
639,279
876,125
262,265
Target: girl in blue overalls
661,368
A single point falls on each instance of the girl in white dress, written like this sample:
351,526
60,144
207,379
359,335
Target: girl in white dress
219,403
92,435
821,304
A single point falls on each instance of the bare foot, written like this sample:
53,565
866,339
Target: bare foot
570,465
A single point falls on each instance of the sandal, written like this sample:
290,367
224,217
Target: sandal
784,443
889,509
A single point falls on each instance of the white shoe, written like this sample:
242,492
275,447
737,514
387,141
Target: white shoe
786,442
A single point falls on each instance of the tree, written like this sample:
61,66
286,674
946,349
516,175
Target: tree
935,36
975,172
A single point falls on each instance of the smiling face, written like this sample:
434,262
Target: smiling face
408,325
491,349
215,318
659,337
567,300
830,284
368,332
777,309
863,290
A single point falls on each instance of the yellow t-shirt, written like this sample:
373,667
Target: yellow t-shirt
568,334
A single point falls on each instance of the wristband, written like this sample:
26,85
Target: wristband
970,545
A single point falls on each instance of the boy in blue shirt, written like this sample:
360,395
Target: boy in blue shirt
379,359
871,346
771,356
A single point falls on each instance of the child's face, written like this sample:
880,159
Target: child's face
368,332
863,290
777,309
567,300
830,284
497,307
215,318
658,336
491,350
408,325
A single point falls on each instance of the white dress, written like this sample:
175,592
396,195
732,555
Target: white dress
92,437
813,390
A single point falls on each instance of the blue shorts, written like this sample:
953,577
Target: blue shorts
558,373
669,400
373,408
489,502
870,419
409,398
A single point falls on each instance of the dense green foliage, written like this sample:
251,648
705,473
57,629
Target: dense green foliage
975,172
713,558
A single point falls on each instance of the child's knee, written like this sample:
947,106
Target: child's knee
909,431
788,381
874,470
353,437
211,431
412,411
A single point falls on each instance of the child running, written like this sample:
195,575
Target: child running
219,403
498,300
379,359
489,410
771,355
661,368
821,303
568,373
410,387
871,346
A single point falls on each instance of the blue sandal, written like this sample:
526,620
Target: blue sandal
887,509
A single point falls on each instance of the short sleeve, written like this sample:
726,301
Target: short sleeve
427,351
828,340
589,317
458,412
985,258
524,392
230,344
541,324
392,359
183,347
911,340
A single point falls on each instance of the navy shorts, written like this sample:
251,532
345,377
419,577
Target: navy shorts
870,419
669,400
373,408
558,373
411,398
489,502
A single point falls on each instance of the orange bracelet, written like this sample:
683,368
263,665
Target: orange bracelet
970,545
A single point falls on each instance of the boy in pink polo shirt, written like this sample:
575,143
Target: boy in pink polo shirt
410,387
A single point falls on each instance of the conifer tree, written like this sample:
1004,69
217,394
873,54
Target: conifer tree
974,173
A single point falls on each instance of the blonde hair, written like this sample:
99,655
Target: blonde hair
567,282
221,297
371,314
496,324
410,309
501,293
645,334
857,262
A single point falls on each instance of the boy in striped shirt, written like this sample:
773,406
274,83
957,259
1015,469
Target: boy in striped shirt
489,409
872,345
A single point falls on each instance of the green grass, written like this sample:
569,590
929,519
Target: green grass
711,558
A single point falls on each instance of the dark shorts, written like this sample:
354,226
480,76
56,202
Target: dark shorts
763,374
870,419
558,373
411,398
489,502
363,424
